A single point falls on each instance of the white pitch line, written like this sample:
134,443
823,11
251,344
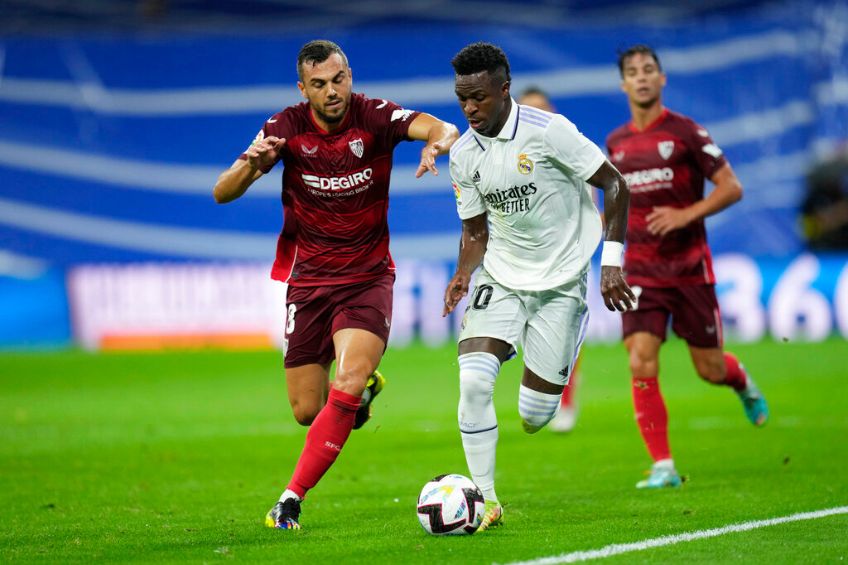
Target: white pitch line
619,548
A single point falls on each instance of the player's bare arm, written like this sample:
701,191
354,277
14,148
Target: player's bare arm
472,247
727,191
439,136
235,181
615,291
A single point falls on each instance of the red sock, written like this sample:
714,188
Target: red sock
326,436
651,416
567,399
736,377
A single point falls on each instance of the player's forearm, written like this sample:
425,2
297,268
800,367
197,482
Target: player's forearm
470,256
442,135
616,205
472,246
235,181
725,194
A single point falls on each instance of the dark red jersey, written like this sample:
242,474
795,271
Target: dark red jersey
665,165
336,192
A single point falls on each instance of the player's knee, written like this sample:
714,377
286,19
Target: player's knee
305,413
352,378
536,408
643,364
475,388
477,374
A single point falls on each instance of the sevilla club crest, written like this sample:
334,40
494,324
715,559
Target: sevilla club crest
357,147
666,148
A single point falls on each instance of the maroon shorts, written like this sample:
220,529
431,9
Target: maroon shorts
693,311
314,314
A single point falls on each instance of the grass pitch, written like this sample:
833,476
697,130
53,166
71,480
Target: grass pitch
176,457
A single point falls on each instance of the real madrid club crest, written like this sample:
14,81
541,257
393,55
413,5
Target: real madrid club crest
525,165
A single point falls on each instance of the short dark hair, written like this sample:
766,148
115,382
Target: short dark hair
479,57
533,89
639,48
317,51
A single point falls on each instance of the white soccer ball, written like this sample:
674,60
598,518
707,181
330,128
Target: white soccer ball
450,504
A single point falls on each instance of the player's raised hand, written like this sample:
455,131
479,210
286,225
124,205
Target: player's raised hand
664,219
428,160
616,292
263,154
456,290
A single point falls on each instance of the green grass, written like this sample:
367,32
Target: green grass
177,457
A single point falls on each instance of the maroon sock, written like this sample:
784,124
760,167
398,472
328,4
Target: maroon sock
651,416
326,436
735,374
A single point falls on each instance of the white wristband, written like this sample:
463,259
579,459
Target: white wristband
611,254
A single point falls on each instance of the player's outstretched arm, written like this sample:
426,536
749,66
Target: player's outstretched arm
727,191
472,247
617,294
439,136
235,181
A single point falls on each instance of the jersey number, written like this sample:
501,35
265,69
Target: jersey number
482,297
290,320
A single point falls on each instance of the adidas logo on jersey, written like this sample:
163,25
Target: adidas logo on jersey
476,178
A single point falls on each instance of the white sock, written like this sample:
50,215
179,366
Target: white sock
664,464
478,424
536,408
289,494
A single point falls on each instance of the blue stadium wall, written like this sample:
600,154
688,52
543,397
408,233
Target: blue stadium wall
110,144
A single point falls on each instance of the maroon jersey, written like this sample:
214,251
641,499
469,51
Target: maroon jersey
665,165
336,192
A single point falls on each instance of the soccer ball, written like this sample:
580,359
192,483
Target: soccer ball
450,504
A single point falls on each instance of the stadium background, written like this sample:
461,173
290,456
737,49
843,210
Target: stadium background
116,118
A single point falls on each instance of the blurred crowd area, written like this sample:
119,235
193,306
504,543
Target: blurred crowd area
229,15
116,116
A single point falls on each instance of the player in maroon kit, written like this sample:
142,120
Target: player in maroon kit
333,250
665,158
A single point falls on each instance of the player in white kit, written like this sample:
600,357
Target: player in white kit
520,177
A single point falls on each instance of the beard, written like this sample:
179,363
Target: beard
334,119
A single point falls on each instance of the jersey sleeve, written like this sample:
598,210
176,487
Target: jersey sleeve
272,126
571,149
469,203
708,156
388,120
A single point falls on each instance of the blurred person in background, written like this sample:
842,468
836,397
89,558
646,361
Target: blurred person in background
521,178
333,250
665,158
824,212
566,416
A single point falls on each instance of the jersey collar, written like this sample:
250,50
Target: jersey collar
659,119
508,131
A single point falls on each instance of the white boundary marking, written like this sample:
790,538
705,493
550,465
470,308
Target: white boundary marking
619,548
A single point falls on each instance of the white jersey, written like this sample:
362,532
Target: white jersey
531,181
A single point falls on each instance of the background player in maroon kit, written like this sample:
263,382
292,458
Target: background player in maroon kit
665,158
333,251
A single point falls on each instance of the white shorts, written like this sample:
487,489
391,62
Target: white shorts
549,325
